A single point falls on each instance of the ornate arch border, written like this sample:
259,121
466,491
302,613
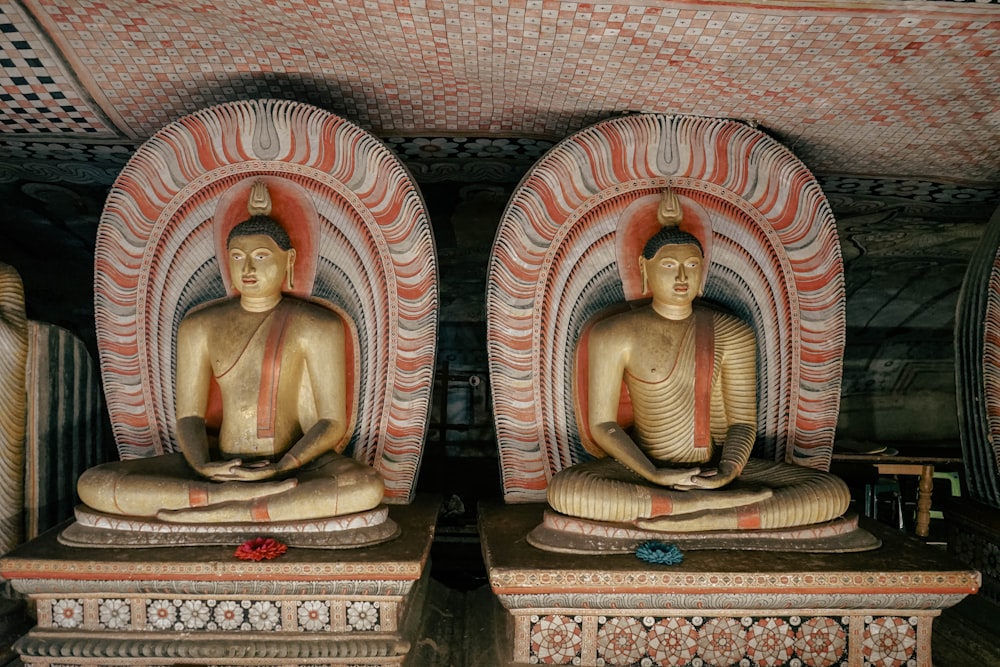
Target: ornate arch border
376,262
977,367
776,262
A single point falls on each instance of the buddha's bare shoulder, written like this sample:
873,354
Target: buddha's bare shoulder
641,319
221,308
312,322
633,321
210,312
312,313
728,323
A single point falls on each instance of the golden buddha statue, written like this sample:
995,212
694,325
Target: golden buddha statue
690,370
279,363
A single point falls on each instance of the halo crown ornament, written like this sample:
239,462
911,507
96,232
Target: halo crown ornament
259,202
669,213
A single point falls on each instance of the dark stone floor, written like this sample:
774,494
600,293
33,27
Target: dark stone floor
968,634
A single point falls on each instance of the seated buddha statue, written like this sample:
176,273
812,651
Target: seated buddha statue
684,465
279,363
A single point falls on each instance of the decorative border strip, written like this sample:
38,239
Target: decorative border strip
783,639
340,585
908,189
729,603
775,262
96,571
485,147
644,582
155,259
194,614
44,160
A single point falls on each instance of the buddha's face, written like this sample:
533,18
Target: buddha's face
674,274
258,267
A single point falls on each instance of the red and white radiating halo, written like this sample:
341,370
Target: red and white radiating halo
375,260
775,261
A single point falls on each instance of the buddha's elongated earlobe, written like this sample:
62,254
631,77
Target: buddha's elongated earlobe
291,269
642,274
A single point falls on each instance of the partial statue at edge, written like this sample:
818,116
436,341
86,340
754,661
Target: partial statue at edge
690,370
279,363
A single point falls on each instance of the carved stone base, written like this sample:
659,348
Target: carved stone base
202,606
718,607
564,534
96,529
153,649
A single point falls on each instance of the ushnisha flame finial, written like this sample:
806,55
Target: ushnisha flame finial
669,213
259,202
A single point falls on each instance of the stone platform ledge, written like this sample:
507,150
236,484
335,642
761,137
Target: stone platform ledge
200,605
36,566
719,607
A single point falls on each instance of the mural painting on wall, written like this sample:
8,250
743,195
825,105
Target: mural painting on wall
906,247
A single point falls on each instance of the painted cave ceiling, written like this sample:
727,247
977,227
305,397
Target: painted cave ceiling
478,89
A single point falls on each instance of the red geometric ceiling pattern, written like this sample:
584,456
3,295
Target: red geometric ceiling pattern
897,88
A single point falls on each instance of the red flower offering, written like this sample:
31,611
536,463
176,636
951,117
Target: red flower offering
260,548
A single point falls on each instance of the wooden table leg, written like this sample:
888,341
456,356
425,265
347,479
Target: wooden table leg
924,490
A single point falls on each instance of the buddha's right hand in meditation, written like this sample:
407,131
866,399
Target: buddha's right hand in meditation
690,372
618,444
279,363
